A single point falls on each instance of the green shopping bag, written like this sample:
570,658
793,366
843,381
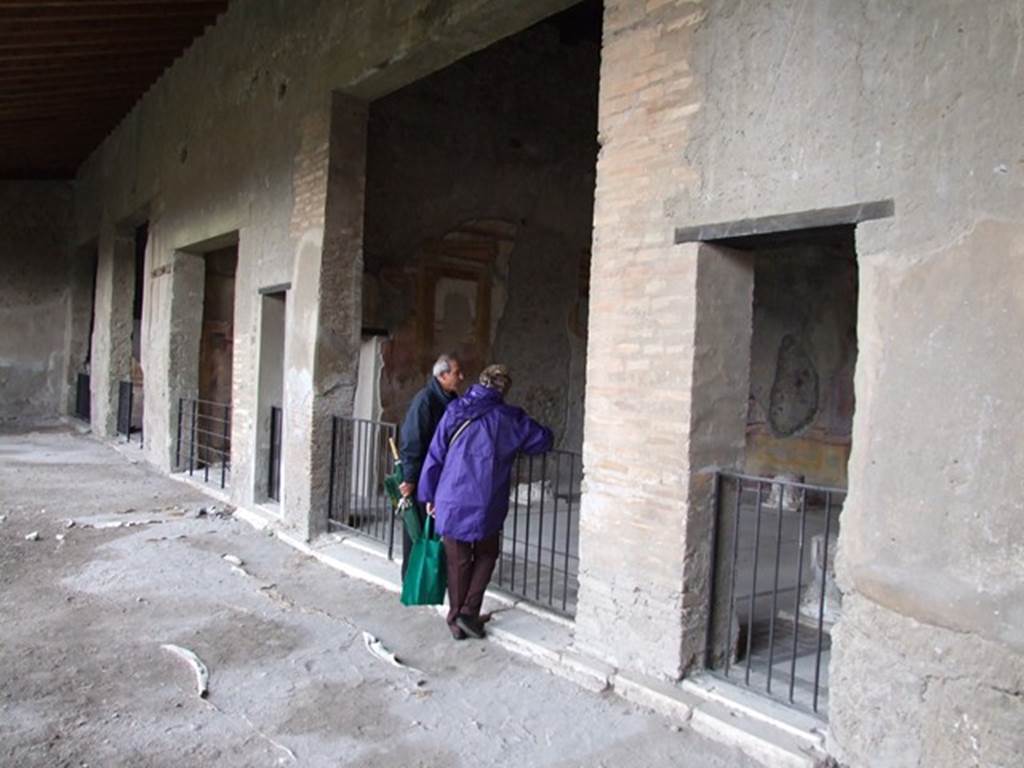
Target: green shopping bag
426,578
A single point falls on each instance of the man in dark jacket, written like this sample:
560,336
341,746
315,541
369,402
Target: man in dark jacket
465,484
421,420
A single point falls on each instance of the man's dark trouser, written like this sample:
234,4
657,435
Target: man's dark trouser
470,565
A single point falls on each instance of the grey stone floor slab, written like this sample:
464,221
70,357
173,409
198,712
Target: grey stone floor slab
291,682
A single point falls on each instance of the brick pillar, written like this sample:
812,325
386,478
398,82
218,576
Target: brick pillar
667,388
112,332
325,311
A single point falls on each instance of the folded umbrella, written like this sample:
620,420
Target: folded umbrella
402,505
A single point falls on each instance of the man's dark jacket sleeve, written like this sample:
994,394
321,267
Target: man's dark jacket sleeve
414,438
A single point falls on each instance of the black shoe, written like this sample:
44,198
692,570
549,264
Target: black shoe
457,633
470,626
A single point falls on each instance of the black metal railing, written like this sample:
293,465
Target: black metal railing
83,397
360,460
539,544
773,598
274,456
126,411
539,556
203,445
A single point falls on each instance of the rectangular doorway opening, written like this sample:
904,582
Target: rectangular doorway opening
83,373
774,598
477,241
205,415
131,392
270,397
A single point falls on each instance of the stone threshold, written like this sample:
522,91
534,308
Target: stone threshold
768,732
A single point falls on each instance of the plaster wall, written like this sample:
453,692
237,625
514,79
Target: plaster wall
724,110
236,137
37,311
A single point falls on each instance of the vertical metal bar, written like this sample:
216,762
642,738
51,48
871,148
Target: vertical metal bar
540,523
348,435
192,440
378,477
709,629
331,469
554,528
378,508
821,598
177,446
207,434
269,465
365,510
381,448
357,449
775,588
515,524
371,512
529,512
371,496
226,445
362,473
799,578
128,424
371,490
568,529
753,581
733,568
353,472
391,528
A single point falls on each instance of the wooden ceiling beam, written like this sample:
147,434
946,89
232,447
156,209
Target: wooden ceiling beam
84,30
15,83
11,93
115,61
141,41
70,70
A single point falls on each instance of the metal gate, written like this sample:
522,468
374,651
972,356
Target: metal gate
773,599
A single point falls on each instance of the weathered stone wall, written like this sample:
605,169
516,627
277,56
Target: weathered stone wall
236,137
507,135
724,110
36,271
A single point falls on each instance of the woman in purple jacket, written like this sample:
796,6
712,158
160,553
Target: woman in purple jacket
465,483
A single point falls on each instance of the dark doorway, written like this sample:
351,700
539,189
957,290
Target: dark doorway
83,379
778,515
216,352
270,405
216,344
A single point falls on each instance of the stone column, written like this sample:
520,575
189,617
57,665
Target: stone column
667,388
112,332
325,313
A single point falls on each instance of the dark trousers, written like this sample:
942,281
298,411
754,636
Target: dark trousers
470,565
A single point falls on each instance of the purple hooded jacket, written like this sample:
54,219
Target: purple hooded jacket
468,478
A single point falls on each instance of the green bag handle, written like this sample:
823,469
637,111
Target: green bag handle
426,526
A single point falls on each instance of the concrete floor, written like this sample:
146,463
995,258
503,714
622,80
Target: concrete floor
85,682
